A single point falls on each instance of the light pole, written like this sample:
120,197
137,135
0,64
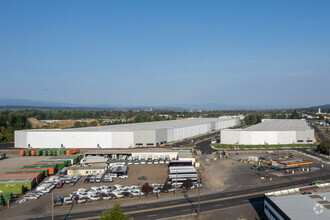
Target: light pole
52,204
199,198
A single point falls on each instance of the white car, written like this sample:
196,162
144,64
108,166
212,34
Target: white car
105,187
80,200
94,197
117,186
31,196
123,176
108,197
135,193
67,200
22,201
96,188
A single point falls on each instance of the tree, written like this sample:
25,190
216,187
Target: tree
295,115
115,213
274,115
75,198
147,189
187,184
167,186
324,148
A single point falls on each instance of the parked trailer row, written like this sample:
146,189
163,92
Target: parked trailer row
148,160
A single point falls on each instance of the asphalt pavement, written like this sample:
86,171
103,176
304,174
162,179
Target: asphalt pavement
205,147
216,201
6,145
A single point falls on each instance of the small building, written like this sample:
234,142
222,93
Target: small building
85,170
119,170
289,164
94,160
186,156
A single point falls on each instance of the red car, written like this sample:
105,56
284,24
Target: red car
59,184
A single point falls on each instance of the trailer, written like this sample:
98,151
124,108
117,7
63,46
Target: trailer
156,159
149,159
130,160
161,159
136,160
143,159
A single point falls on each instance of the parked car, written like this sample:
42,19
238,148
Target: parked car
123,176
72,182
59,184
58,200
81,200
143,178
68,200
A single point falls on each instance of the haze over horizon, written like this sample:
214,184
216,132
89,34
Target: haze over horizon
169,53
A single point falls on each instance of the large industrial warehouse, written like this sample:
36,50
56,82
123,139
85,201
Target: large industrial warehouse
121,136
271,132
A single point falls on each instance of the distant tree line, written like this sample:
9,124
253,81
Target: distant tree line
11,121
256,118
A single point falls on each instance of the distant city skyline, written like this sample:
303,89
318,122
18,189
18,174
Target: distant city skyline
166,53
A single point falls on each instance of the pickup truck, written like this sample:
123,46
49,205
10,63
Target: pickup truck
58,200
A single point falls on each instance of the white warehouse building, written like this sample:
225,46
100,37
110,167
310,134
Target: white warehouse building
121,136
271,132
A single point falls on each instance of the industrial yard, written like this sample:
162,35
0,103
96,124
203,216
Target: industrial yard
75,179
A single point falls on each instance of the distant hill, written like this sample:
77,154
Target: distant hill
25,102
327,106
20,104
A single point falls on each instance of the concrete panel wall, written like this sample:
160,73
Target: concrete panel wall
161,136
20,139
305,136
55,139
261,137
266,137
144,137
286,137
122,139
230,136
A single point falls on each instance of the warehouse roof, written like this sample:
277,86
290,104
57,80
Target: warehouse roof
297,206
280,125
168,124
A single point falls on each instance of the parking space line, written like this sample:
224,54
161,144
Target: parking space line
186,210
151,215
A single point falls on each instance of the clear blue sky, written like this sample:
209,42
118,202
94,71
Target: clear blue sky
274,53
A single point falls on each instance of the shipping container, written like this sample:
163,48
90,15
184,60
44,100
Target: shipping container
67,162
43,166
73,151
33,152
39,152
28,152
43,171
59,165
22,152
37,176
50,170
